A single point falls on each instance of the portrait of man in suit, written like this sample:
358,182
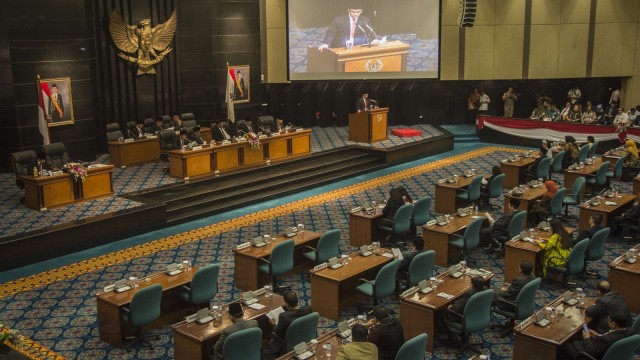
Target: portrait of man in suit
58,105
241,84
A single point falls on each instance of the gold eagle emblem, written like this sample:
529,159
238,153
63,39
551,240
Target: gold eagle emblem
147,45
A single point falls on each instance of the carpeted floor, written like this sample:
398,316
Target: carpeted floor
57,308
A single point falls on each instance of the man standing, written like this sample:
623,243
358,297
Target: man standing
484,103
362,104
56,107
574,95
386,333
236,315
473,102
352,27
509,98
608,301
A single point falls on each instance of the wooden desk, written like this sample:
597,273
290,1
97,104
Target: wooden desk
527,199
570,176
624,278
418,311
436,237
390,56
109,304
246,260
446,200
186,164
368,126
607,211
636,185
363,228
205,134
515,171
613,155
99,183
43,192
329,338
531,342
195,341
332,289
122,154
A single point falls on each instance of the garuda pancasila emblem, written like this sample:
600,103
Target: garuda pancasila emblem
147,45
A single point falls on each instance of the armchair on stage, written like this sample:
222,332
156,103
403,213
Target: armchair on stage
390,56
368,126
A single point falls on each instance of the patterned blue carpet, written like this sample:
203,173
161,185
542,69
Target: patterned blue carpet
61,315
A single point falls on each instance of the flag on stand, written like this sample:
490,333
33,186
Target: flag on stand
43,113
231,83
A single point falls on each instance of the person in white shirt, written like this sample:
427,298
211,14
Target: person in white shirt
614,100
484,102
574,95
621,117
564,113
631,115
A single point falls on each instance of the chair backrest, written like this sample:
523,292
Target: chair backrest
526,299
187,117
114,135
474,188
517,223
148,122
601,175
131,124
113,127
472,233
421,267
575,261
636,325
583,153
239,124
422,211
282,257
23,162
328,245
495,188
385,282
623,349
266,121
617,169
556,165
167,139
556,202
243,345
145,305
592,150
402,219
413,349
477,311
189,124
56,154
542,172
204,285
301,329
595,249
166,119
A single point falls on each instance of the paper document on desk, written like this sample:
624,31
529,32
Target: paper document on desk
256,306
275,314
445,295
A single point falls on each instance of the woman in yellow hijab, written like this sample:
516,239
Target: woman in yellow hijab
631,159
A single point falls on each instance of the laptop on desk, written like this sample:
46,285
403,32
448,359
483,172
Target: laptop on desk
121,286
334,263
365,250
424,287
541,320
258,241
203,316
455,272
249,298
568,298
173,269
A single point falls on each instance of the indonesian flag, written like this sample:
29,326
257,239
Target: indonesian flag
43,112
231,84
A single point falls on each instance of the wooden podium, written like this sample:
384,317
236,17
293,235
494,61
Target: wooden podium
368,126
390,56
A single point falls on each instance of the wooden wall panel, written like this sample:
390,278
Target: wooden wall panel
479,52
509,12
572,50
507,59
449,50
543,56
608,42
545,12
575,11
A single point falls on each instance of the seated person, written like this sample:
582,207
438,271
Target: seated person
157,126
278,126
236,315
195,136
531,173
247,127
596,344
407,256
394,203
183,140
221,132
553,114
293,311
631,161
564,113
406,198
600,114
607,301
386,333
541,208
632,215
486,183
499,228
594,226
557,248
477,285
538,113
571,152
589,116
574,115
511,293
177,123
138,131
360,348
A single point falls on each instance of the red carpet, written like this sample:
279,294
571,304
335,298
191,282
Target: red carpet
406,132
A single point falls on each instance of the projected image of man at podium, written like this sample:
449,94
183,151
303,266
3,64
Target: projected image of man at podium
351,27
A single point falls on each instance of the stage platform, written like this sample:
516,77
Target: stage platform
146,198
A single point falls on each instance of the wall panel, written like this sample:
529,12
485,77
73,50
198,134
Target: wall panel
507,59
479,52
572,50
543,54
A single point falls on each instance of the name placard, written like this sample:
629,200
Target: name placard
299,130
128,140
191,318
109,288
243,246
320,266
199,147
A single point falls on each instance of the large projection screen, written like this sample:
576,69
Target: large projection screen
363,39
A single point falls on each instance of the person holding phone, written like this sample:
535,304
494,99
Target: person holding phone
596,344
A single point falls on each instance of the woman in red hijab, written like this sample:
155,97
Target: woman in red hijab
542,207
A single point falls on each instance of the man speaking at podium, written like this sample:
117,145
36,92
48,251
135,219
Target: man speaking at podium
363,103
351,27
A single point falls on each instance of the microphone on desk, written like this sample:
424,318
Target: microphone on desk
373,31
49,163
291,125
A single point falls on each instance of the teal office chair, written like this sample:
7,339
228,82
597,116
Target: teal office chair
280,261
472,193
328,247
598,180
617,169
243,345
595,248
494,191
401,222
420,268
524,306
636,325
556,164
413,349
556,203
593,149
575,262
143,310
475,317
421,212
301,329
203,286
622,349
542,172
575,196
516,225
470,239
583,153
384,284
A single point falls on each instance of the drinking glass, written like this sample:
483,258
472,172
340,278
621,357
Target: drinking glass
300,229
313,344
327,350
375,209
267,238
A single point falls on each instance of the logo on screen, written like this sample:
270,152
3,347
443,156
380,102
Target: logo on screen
373,65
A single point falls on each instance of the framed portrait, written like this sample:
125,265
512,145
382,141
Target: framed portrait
59,105
242,89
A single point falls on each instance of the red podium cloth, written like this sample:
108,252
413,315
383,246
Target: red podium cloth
406,132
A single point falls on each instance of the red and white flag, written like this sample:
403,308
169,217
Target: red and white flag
231,85
43,113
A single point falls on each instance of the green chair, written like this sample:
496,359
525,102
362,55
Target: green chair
475,317
143,310
516,225
583,153
622,349
328,247
384,284
542,171
556,164
280,261
595,248
524,306
556,203
470,239
420,268
472,193
495,190
243,345
617,169
421,211
203,286
592,150
401,222
301,329
575,262
413,349
598,180
575,196
636,325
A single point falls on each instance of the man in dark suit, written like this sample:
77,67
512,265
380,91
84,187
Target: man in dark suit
183,140
157,126
511,293
608,300
594,226
291,313
500,227
596,344
407,256
56,106
177,123
278,126
363,103
631,214
221,132
247,127
137,131
386,333
477,285
195,136
236,314
351,26
239,91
